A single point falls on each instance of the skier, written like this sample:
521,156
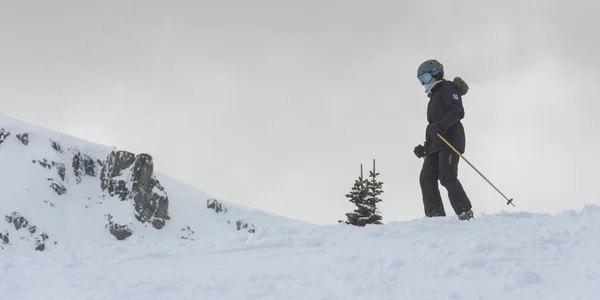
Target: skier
444,112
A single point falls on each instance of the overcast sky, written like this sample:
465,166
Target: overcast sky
274,104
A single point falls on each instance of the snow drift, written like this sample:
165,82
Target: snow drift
57,189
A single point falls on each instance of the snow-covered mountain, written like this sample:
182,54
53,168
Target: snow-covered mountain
55,188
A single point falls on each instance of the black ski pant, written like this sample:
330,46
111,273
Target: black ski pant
442,166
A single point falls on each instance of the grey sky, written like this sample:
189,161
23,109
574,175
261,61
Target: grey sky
274,104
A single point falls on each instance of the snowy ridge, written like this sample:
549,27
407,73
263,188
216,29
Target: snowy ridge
55,188
493,257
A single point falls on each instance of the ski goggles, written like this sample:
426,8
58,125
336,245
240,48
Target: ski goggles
425,78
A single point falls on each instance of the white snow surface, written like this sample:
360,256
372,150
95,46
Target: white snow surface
509,255
502,256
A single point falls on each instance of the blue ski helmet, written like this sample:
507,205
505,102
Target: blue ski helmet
428,69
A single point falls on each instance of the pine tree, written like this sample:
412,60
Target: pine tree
374,190
365,195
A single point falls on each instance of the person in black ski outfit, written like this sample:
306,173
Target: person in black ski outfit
444,112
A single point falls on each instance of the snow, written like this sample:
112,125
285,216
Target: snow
509,255
503,256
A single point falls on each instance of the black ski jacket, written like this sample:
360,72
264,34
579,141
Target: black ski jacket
445,108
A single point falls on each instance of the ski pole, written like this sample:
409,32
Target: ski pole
509,201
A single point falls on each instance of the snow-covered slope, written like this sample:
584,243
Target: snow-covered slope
186,245
56,188
492,257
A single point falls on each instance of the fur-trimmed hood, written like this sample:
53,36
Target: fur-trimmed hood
460,85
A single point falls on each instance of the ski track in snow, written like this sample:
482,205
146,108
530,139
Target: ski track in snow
501,256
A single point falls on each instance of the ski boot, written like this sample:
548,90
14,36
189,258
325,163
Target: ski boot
467,215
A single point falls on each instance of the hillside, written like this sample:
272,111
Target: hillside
57,189
493,257
74,200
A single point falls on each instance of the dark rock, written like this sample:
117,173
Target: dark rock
40,242
76,164
23,138
121,232
158,223
151,202
4,238
215,205
60,168
56,146
241,224
120,189
83,164
44,163
59,188
20,222
4,134
17,220
150,199
116,163
89,166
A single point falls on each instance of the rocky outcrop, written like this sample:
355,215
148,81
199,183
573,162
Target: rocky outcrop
119,231
115,176
151,201
215,205
219,208
86,181
4,134
58,187
21,223
243,224
4,240
23,138
56,146
84,165
131,177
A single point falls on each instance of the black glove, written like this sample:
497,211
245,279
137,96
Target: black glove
419,151
433,129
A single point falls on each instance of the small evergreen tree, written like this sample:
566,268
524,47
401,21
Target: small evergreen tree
365,195
374,190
